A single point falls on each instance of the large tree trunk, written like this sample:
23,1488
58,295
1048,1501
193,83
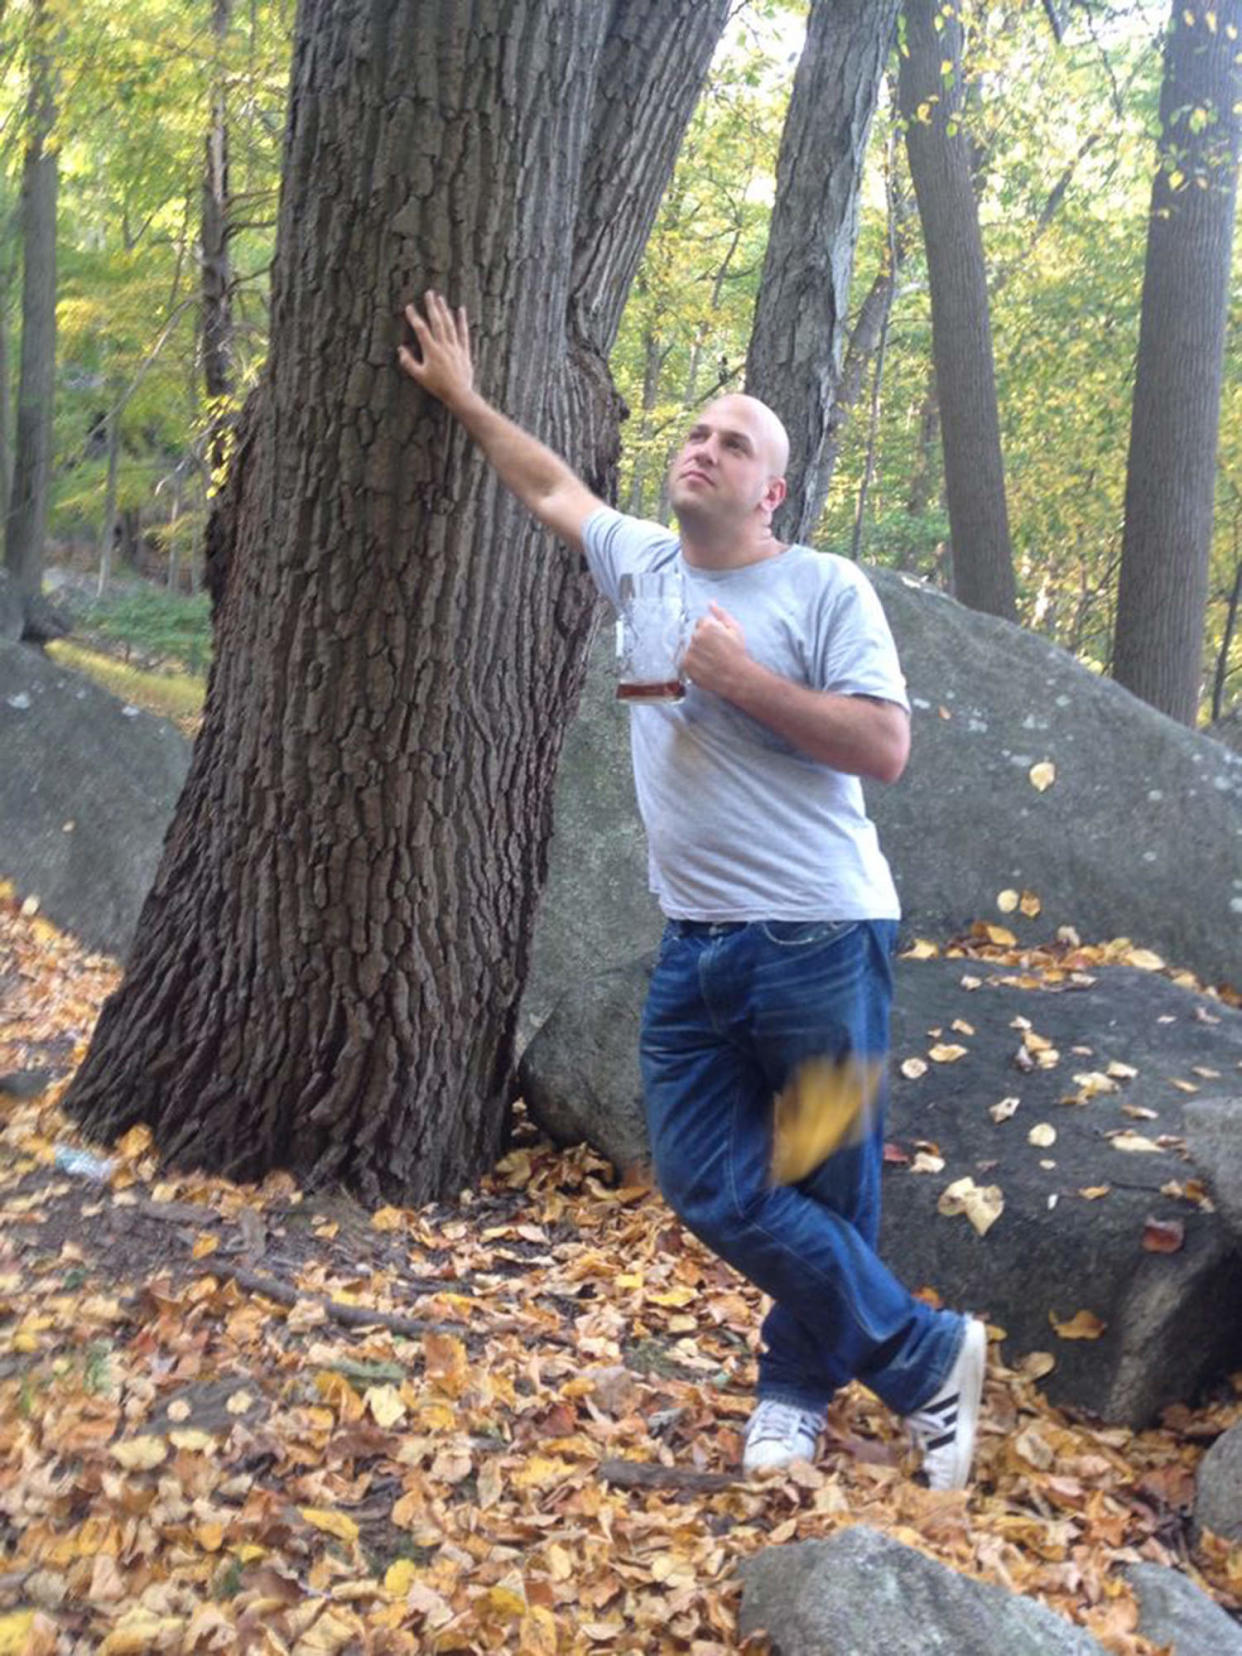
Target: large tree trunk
1170,475
795,346
32,470
940,166
326,974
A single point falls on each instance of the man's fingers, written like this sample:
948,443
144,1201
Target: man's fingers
463,329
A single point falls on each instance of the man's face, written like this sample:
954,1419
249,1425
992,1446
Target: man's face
728,467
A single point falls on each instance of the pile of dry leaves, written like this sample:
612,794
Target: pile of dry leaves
235,1419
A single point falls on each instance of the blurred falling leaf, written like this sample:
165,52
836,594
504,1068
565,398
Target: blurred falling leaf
826,1103
1003,1108
1030,905
1006,901
913,1068
1043,775
1093,1193
1041,1135
1120,1071
1083,1325
1145,960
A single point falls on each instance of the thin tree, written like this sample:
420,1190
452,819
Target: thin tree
26,523
794,359
930,82
326,973
1175,419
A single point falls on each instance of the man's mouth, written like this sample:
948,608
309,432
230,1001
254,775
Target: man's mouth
691,475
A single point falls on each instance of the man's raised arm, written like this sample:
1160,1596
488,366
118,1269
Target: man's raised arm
539,478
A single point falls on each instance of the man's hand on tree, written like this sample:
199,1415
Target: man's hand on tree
444,366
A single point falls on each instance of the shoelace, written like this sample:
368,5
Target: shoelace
779,1420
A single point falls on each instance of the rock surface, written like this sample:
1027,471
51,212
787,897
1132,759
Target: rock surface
87,789
1170,1318
860,1593
1176,1613
1218,1487
1138,835
1214,1139
11,610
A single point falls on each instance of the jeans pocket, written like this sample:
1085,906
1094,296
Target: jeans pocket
806,934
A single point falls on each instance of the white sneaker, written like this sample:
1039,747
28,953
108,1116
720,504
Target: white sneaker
778,1434
945,1427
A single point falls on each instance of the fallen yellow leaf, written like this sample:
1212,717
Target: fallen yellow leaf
140,1454
1043,775
1006,901
913,1068
339,1524
947,1052
982,1204
1030,905
385,1405
1041,1135
1083,1325
1133,1142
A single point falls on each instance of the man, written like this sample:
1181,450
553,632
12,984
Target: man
774,968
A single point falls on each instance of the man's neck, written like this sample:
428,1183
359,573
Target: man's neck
703,547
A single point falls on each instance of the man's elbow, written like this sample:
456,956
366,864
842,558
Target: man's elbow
892,748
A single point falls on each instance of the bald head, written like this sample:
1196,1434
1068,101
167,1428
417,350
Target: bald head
763,424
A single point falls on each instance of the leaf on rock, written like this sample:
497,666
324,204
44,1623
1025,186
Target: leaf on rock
947,1052
1083,1325
1007,901
1003,1108
1030,905
1133,1142
1164,1236
913,1068
1041,1135
1043,775
982,1204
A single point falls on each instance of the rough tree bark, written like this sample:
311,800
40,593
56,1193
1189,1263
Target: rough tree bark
1174,424
326,973
793,362
803,298
940,166
32,467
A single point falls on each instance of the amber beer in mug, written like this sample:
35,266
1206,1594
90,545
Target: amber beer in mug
651,636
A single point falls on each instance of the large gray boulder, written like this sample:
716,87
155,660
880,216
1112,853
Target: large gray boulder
1214,1138
1177,1615
1168,1321
1139,835
87,789
860,1593
1218,1487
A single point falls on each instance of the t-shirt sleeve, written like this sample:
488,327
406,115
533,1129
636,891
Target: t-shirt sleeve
616,545
853,649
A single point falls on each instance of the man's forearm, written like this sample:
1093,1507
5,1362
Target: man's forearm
525,465
851,733
540,479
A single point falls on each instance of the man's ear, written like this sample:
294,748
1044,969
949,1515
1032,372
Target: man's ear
776,492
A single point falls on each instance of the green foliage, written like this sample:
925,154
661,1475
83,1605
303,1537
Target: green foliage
166,626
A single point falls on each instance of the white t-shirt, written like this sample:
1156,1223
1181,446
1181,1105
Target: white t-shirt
740,825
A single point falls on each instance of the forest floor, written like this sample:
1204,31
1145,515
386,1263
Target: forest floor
240,1418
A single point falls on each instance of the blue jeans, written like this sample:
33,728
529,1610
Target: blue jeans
732,1012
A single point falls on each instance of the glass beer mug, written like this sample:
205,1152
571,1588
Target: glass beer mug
652,632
